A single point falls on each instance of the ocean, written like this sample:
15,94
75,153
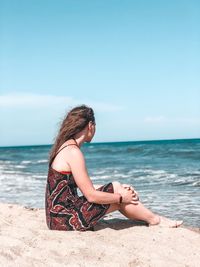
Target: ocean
166,174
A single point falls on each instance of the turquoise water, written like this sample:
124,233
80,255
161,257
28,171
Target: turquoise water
165,173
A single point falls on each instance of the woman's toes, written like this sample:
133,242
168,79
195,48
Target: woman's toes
178,223
165,222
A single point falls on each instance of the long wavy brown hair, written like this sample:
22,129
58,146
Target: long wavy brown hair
74,122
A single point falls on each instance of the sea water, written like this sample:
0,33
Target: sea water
166,174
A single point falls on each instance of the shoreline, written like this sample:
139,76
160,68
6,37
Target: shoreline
26,241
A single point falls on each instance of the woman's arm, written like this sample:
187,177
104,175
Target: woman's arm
77,163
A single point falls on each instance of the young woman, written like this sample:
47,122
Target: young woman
65,209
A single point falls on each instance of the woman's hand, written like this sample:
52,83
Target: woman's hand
129,195
130,187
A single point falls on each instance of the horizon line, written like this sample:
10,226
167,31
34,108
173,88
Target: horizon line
108,142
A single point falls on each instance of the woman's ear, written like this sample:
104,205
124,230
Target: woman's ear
90,125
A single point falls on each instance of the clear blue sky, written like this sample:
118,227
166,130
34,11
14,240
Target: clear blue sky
135,62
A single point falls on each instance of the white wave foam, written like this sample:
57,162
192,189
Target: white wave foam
26,162
42,161
101,177
19,166
196,183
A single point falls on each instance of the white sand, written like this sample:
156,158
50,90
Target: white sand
26,241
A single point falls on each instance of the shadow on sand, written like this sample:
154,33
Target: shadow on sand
117,224
120,224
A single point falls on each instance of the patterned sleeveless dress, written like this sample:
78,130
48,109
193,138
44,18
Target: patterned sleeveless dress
65,209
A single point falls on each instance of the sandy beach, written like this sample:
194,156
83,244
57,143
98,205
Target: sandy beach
26,241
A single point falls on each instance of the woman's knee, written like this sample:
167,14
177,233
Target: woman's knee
116,186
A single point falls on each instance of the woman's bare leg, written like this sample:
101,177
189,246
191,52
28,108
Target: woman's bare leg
140,212
135,212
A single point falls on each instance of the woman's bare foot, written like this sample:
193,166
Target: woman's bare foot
165,222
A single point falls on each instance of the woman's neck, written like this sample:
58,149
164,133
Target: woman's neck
79,141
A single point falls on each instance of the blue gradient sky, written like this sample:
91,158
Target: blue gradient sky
135,62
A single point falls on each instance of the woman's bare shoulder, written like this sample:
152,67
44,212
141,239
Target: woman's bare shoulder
74,151
70,152
67,155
